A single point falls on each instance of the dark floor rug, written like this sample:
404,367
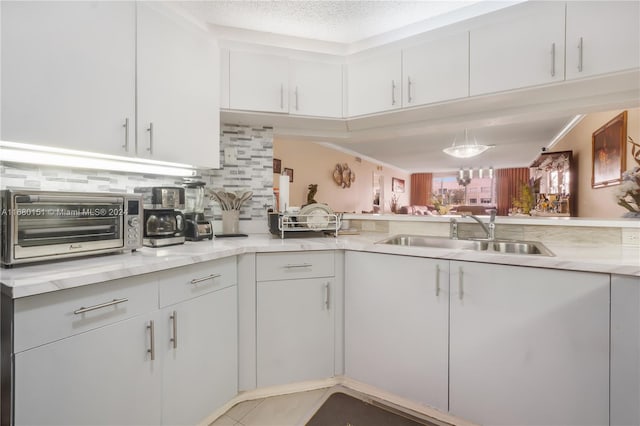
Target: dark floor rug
343,410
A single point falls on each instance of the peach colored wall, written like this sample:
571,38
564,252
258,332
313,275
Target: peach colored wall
314,163
598,202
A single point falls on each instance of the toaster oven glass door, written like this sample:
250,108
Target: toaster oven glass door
53,227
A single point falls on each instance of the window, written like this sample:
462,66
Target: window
447,191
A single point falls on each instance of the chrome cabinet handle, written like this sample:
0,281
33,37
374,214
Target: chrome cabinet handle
393,92
282,96
299,265
553,59
580,49
208,277
174,319
437,280
150,130
126,134
327,293
152,340
460,284
409,89
296,93
82,309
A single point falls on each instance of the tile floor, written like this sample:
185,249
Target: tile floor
282,410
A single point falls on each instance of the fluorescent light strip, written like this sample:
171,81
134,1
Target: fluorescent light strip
33,154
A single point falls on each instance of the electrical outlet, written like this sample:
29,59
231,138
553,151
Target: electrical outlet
630,237
368,225
230,156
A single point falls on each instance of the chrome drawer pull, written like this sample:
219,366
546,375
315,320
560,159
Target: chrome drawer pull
208,277
437,280
152,340
174,320
300,265
82,309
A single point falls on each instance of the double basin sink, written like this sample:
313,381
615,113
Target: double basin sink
489,246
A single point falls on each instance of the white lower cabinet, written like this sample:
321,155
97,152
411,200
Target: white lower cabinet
104,376
295,318
396,325
625,350
200,370
528,346
147,350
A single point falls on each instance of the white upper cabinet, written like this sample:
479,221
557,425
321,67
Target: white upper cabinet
68,77
602,37
224,78
315,88
436,71
258,82
374,83
178,84
520,47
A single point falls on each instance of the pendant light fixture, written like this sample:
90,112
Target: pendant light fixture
467,149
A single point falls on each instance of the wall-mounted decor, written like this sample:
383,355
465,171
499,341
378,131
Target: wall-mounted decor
343,176
397,185
609,152
289,172
277,166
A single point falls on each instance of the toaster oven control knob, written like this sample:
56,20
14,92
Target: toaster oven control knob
133,221
179,222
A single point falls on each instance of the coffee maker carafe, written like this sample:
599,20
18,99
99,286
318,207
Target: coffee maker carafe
197,228
164,222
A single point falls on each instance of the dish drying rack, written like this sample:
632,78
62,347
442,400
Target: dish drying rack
283,223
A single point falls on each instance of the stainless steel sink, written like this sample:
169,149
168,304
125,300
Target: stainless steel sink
495,246
438,242
520,247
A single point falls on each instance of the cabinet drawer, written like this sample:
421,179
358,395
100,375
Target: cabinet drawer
195,280
48,317
294,265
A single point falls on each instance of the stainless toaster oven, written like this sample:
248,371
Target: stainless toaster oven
47,225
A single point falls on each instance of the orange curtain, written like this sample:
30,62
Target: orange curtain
509,186
421,184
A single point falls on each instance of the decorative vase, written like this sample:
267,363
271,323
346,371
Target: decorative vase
230,221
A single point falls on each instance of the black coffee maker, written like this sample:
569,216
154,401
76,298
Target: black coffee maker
197,227
164,223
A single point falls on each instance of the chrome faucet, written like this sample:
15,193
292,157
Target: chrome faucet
489,230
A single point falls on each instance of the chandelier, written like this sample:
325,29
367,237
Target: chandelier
467,149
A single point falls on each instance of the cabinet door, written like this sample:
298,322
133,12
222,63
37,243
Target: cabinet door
520,47
396,325
294,331
374,84
625,350
104,376
436,71
528,346
602,37
68,79
178,84
315,88
267,93
200,350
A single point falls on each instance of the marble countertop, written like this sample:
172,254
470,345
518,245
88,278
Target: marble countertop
507,220
29,280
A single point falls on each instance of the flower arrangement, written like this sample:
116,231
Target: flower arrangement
393,204
628,193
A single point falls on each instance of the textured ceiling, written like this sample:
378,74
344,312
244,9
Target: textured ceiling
334,21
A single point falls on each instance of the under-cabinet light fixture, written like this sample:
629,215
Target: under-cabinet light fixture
49,156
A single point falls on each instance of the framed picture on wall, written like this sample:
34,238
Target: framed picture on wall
397,185
277,166
609,152
289,172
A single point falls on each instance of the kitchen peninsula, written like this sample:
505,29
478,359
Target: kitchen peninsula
175,281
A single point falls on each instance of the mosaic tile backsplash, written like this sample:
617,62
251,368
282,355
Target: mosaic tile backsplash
253,172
